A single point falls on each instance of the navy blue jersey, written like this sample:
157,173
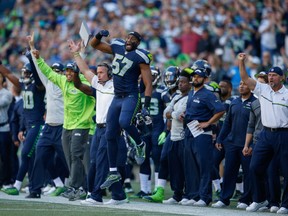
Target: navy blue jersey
202,105
157,105
235,125
33,104
126,67
167,96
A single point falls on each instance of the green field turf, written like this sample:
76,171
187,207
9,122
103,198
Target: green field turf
28,208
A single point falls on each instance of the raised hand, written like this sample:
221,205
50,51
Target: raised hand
30,39
73,47
104,33
242,56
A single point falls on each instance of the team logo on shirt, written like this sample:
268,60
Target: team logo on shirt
196,100
150,56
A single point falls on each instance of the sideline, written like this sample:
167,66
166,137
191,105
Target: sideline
145,206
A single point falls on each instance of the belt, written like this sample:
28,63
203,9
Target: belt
275,129
101,125
123,95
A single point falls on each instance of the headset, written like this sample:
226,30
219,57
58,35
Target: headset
109,69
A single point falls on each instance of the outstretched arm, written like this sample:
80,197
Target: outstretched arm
82,87
243,73
75,49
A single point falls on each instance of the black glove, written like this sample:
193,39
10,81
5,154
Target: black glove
102,33
0,62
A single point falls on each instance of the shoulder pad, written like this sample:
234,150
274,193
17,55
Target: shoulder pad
145,55
118,41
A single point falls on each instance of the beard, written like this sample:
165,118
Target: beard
197,85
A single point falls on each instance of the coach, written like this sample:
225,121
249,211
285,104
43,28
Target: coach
273,138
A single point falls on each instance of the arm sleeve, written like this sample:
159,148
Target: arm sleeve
225,130
57,79
181,108
42,77
251,123
169,108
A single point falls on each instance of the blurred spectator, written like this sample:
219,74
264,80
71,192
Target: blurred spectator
196,28
267,30
266,63
204,46
188,39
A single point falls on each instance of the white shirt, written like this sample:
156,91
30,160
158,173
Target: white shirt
104,97
274,105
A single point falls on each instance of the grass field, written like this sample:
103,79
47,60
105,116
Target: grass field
28,208
54,206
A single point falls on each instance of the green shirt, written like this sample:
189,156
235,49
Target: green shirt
78,107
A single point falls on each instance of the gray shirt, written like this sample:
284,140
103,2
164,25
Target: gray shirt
5,101
54,101
255,124
177,106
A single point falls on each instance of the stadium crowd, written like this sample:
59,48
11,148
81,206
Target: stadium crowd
219,47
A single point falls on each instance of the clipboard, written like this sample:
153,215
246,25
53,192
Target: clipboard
84,33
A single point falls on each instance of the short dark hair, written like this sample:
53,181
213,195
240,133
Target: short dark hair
228,82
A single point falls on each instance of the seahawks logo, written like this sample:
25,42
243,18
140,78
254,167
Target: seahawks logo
150,56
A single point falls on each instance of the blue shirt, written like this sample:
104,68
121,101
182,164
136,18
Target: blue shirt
235,125
126,67
202,106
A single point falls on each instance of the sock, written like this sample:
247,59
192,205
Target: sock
18,185
239,187
162,183
143,182
66,182
156,175
149,187
216,184
58,182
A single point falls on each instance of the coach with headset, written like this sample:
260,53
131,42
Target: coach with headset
103,83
